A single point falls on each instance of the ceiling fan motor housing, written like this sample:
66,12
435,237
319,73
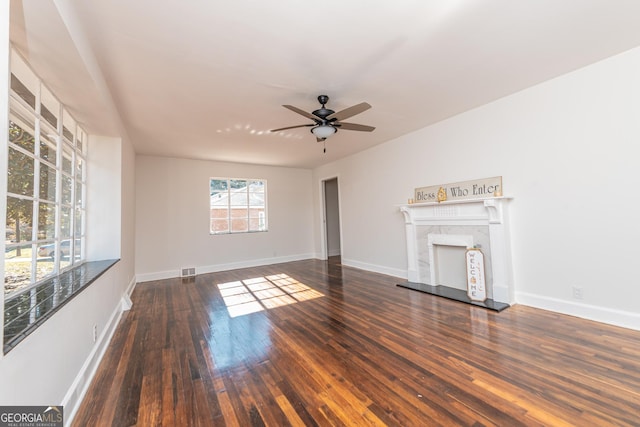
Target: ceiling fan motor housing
323,112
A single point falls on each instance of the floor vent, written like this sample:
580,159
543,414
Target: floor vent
188,272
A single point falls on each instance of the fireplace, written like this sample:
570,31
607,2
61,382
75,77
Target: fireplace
438,235
446,259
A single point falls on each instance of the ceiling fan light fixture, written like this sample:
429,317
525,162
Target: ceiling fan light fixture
323,131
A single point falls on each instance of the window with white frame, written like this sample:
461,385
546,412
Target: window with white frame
46,184
237,205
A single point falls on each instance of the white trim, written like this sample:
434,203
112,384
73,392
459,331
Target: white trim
157,275
75,394
5,12
251,263
170,274
625,319
323,217
125,301
323,221
131,286
389,271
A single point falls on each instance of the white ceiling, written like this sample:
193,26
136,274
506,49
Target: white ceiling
206,79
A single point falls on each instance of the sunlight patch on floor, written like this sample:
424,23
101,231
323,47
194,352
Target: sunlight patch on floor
259,293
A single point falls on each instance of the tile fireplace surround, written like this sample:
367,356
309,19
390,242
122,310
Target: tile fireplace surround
481,223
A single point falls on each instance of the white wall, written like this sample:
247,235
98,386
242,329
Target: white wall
127,213
104,199
567,150
172,211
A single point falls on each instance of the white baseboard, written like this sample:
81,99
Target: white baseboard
80,385
396,272
131,286
170,274
158,275
251,263
625,319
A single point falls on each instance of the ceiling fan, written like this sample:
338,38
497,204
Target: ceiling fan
326,122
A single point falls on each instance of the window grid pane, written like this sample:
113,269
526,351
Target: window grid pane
46,221
47,183
49,107
77,224
20,173
67,184
21,90
66,161
19,219
48,144
65,222
237,205
17,267
21,135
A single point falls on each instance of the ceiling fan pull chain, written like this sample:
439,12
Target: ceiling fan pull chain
325,146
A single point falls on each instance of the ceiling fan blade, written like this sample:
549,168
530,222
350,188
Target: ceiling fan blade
301,112
292,127
349,112
354,126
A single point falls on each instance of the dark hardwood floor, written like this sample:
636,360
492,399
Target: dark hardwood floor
332,345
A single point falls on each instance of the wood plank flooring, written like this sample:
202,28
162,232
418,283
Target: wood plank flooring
313,343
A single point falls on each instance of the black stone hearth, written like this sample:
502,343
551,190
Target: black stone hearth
454,294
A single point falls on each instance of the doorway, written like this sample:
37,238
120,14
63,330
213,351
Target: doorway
332,218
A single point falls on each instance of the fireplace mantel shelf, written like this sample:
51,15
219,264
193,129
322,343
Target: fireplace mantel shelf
454,202
490,208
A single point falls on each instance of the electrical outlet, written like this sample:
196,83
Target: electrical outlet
95,333
578,292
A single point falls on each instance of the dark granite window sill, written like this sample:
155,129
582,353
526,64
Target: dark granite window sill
25,312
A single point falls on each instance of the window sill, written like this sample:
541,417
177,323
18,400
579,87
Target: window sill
25,312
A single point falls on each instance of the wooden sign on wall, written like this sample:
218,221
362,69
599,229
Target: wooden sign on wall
477,189
476,289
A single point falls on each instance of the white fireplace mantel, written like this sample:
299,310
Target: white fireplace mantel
490,212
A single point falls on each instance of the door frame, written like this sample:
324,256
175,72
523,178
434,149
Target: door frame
324,249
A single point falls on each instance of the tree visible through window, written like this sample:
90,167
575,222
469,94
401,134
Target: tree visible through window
237,205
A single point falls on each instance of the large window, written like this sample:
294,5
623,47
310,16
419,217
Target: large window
46,181
238,205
